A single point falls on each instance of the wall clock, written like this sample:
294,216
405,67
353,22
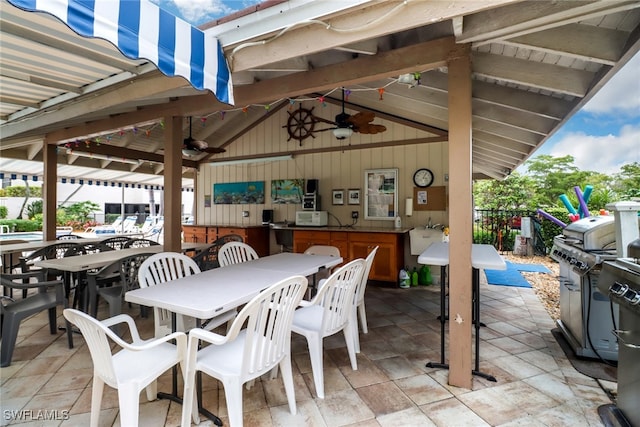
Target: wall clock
423,177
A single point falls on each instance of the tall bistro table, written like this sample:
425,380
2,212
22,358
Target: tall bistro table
482,257
216,291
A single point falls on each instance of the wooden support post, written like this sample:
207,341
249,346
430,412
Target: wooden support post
49,191
460,220
173,184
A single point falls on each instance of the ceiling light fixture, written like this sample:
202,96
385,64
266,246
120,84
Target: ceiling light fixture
103,157
411,79
342,133
190,152
251,160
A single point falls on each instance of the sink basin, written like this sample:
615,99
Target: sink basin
284,235
421,238
280,225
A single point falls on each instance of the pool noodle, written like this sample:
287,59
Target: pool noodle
552,218
583,204
567,203
586,195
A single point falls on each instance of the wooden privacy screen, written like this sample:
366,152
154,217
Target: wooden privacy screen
430,199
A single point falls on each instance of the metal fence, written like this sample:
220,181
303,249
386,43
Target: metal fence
501,227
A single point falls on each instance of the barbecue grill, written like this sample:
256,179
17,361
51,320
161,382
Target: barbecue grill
620,279
587,316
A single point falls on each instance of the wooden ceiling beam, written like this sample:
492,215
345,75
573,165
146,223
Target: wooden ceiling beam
562,80
421,56
341,148
532,16
127,153
113,97
583,42
308,38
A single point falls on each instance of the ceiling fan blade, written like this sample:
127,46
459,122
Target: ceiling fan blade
214,150
370,128
362,118
200,145
204,147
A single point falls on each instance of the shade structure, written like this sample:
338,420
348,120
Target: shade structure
141,30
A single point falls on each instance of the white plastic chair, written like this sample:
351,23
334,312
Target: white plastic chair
167,266
235,253
135,367
245,354
323,250
324,273
359,300
329,312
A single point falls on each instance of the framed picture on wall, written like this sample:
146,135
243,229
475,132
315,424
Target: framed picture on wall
381,194
337,197
353,196
287,191
238,193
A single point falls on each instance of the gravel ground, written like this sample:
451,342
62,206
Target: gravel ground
545,285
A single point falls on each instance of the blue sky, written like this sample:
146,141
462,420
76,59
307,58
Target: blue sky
605,133
602,136
198,12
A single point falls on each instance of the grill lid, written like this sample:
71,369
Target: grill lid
594,232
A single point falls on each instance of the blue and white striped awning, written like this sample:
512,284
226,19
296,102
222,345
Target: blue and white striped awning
82,181
141,30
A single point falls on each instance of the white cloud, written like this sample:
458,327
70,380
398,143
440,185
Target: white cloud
621,94
604,154
195,11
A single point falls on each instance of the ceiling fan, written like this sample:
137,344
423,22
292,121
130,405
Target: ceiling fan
301,123
193,147
346,124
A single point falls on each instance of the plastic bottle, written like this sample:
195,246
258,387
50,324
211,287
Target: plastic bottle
398,222
414,277
403,279
424,276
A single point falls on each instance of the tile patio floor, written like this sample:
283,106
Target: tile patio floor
536,384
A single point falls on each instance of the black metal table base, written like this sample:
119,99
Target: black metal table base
485,376
476,321
173,396
474,372
438,365
206,413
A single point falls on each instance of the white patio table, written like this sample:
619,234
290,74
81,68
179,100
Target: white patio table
215,291
81,263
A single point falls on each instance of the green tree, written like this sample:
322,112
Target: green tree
81,211
627,181
514,192
21,191
34,208
553,176
27,194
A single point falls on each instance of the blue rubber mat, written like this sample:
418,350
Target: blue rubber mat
508,277
511,276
